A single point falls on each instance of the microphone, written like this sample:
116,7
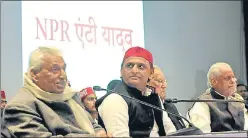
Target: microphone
202,100
186,131
98,88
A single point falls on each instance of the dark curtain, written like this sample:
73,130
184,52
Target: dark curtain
245,13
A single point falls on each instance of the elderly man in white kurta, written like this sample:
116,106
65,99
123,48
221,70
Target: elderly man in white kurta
219,116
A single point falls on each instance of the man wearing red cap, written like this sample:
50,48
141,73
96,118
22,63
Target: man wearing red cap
3,102
88,98
124,117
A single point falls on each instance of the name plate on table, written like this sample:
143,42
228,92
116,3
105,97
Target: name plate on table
219,134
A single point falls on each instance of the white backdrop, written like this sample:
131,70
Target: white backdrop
184,38
93,36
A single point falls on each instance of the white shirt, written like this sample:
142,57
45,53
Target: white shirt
116,118
199,115
114,113
168,125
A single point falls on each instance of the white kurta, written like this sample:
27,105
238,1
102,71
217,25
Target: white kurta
199,115
116,118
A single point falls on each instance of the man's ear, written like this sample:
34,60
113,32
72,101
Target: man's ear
152,71
213,82
151,74
33,75
151,77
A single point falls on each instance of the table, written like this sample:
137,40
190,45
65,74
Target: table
218,134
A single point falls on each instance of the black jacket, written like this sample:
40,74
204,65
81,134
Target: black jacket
178,122
141,117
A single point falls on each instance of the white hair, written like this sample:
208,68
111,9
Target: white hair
215,71
156,67
36,57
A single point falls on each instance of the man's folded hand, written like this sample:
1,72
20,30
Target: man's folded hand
102,133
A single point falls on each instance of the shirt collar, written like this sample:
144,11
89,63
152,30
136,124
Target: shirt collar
147,92
218,94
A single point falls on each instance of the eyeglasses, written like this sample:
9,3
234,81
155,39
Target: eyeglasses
243,91
160,81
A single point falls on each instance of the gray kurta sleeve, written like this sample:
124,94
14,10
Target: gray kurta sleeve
96,126
23,121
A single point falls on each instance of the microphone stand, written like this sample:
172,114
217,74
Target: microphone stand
155,107
191,131
202,100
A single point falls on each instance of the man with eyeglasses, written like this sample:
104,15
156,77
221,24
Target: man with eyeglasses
219,116
158,81
88,98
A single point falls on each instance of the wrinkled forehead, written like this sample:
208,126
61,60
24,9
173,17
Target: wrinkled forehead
50,57
53,60
226,71
136,60
158,73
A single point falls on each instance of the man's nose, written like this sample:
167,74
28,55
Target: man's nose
94,101
234,80
163,85
63,74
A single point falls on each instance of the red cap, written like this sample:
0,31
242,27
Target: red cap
85,92
139,52
3,96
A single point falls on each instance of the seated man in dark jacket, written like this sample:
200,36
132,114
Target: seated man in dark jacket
124,117
219,116
158,81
